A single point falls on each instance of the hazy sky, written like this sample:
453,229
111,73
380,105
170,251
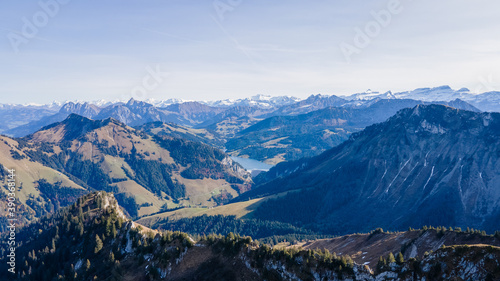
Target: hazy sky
205,50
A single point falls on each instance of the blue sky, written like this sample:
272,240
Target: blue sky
205,50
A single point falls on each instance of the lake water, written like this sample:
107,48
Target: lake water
251,164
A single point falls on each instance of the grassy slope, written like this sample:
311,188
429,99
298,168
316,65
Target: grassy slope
28,172
241,210
124,138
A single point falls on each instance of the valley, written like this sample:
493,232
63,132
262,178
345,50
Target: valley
232,140
313,180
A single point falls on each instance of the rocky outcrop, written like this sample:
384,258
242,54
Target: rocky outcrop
429,165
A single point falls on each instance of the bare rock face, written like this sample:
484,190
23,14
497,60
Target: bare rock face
430,165
83,109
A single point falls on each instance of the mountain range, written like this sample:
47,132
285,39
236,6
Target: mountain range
344,165
422,160
280,130
292,137
430,164
488,101
192,114
483,100
147,172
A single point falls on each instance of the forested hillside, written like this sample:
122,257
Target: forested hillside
430,165
93,240
149,173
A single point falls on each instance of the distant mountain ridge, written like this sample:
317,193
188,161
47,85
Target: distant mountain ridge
431,164
196,113
487,101
83,109
441,93
291,137
132,113
299,129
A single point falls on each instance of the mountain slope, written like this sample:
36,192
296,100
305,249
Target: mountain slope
312,103
233,119
148,172
280,138
193,112
40,189
16,115
431,165
136,113
261,101
489,101
83,109
368,248
132,113
92,240
286,138
178,131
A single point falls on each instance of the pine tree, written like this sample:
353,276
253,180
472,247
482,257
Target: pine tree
390,258
53,246
382,263
80,229
400,258
119,223
87,265
108,227
112,257
343,261
98,244
113,231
